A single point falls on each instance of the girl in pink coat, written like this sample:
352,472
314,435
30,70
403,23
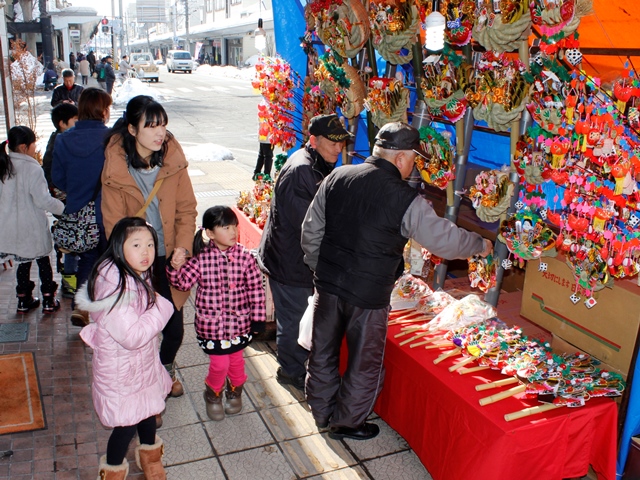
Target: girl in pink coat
130,383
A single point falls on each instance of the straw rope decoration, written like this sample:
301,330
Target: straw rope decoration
342,25
394,27
387,101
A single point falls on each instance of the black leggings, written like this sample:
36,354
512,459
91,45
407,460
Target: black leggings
23,276
265,157
174,330
121,438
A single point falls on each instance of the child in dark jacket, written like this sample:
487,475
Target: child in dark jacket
230,305
63,116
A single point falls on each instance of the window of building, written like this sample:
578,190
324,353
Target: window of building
220,4
236,2
209,5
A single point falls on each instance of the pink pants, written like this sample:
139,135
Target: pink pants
223,366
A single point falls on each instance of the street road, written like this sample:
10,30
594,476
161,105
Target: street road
208,109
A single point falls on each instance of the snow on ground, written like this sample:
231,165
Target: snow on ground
227,72
132,87
207,152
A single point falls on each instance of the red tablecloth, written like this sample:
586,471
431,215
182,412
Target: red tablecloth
438,413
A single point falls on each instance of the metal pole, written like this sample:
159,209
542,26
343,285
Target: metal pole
186,25
464,131
120,35
113,41
500,251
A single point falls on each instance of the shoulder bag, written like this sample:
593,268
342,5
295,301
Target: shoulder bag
78,232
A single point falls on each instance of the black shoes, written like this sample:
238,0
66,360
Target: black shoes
366,431
284,379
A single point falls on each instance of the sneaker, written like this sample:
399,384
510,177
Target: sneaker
80,318
284,379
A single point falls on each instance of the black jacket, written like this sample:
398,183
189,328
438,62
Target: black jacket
280,249
361,250
60,93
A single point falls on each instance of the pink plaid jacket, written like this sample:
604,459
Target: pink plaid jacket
230,294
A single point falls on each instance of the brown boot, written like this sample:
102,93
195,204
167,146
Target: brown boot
177,390
149,460
233,404
213,399
112,472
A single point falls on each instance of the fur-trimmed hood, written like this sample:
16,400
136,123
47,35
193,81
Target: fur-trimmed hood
104,304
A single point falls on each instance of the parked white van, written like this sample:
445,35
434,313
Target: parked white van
180,60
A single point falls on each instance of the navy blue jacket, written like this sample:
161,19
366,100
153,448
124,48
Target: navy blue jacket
78,158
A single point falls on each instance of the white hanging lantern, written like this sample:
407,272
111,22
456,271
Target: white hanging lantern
260,37
435,24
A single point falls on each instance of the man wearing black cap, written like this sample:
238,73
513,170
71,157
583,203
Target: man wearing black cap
290,279
353,237
109,73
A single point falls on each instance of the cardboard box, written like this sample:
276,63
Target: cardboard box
606,331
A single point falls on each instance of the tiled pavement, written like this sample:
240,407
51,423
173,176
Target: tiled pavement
273,438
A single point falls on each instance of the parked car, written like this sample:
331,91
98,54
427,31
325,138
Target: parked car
180,60
145,66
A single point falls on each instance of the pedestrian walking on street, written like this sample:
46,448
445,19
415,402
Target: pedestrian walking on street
91,58
145,174
230,305
353,237
84,69
109,73
25,234
129,383
291,281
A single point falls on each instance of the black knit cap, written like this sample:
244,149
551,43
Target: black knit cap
328,126
398,136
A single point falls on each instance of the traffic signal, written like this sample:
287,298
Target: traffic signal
105,25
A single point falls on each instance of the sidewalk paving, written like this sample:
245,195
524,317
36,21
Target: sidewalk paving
274,437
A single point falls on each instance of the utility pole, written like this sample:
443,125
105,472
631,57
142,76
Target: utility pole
174,13
121,23
46,30
113,37
186,25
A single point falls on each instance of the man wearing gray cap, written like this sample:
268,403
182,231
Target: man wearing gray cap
290,279
353,236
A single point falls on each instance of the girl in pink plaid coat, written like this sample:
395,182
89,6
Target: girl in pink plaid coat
230,305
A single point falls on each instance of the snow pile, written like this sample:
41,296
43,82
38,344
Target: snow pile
207,152
132,87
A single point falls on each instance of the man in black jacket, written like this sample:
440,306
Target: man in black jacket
290,279
109,73
353,238
69,91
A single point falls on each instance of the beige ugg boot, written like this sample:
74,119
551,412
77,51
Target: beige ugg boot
112,472
213,400
149,460
233,395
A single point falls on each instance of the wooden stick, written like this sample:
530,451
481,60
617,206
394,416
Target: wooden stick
406,331
530,411
479,368
450,353
498,383
502,395
435,345
461,364
415,337
436,339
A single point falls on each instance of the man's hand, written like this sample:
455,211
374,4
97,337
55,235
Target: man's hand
488,248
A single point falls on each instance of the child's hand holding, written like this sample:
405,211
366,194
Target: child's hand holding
178,258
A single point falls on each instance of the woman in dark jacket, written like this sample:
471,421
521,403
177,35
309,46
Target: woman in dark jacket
78,158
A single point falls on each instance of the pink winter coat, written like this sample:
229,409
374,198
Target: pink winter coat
129,382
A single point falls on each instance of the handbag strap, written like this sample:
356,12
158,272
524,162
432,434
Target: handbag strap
156,187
